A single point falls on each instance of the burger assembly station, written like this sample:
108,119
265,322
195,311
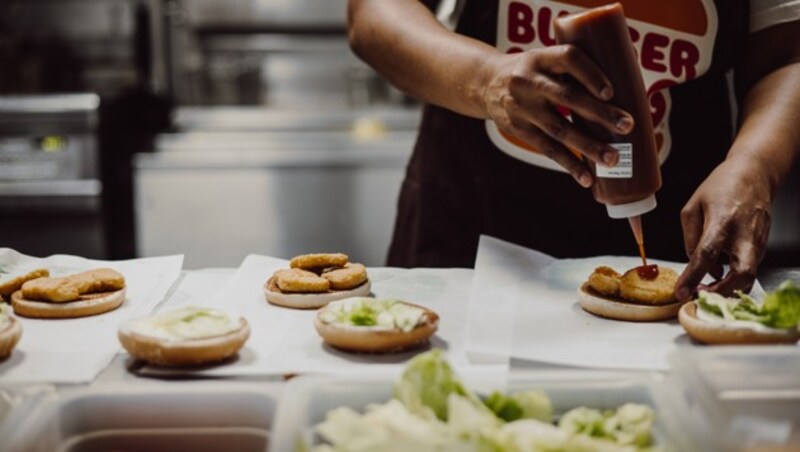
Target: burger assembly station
197,200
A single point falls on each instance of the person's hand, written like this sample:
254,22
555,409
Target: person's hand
523,90
728,216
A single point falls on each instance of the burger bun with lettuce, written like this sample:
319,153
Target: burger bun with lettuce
742,320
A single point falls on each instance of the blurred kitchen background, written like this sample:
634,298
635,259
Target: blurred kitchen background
214,128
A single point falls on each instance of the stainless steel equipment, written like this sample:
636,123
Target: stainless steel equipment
284,141
288,55
218,195
49,184
57,46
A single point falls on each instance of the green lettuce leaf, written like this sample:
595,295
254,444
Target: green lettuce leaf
628,425
520,405
426,385
783,306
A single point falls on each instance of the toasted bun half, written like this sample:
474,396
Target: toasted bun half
90,304
610,308
9,337
311,300
360,339
188,352
710,333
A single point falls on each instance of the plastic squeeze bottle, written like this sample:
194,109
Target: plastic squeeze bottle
627,189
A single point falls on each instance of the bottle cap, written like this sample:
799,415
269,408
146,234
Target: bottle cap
632,209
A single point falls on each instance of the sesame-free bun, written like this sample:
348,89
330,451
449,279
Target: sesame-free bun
311,300
9,337
184,352
720,334
86,305
618,309
368,340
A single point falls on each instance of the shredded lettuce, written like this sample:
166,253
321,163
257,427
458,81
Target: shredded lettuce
427,383
520,405
367,312
783,306
780,309
432,410
629,425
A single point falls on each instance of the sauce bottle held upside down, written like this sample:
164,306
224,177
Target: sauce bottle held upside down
627,189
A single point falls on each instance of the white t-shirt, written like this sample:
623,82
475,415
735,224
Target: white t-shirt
766,13
763,13
672,49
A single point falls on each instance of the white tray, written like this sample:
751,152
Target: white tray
307,399
195,417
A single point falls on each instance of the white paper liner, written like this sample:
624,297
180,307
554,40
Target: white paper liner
76,350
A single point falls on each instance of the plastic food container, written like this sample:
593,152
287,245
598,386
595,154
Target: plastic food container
197,417
307,400
19,398
741,398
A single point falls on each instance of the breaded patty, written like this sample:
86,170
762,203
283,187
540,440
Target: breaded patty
297,280
15,283
319,261
349,277
70,288
660,290
605,280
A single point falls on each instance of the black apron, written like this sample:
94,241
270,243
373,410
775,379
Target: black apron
458,185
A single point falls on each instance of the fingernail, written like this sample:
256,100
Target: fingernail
682,294
624,123
606,93
610,158
585,180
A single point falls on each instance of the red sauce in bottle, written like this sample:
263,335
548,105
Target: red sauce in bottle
602,34
628,189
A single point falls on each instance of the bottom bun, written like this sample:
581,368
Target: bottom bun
9,338
360,339
609,308
90,304
188,352
311,300
716,334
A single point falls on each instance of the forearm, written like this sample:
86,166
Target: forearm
405,43
768,80
770,133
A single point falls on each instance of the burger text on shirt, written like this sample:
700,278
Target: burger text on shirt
674,44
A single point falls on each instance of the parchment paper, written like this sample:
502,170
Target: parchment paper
76,350
525,306
284,341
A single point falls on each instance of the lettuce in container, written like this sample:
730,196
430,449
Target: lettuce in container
433,410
